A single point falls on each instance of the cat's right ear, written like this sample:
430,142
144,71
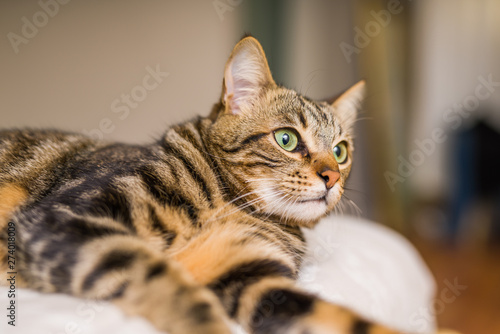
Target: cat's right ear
245,76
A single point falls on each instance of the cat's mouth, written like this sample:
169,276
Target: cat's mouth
321,199
304,209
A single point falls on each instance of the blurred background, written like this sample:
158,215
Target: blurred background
428,145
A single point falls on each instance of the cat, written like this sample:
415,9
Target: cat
195,229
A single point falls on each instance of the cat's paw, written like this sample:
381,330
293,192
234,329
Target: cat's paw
203,313
181,309
328,318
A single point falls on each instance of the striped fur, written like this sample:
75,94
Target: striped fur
196,228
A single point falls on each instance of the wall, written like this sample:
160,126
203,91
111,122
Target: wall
91,52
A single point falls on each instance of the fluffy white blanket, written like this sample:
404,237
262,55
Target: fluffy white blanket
352,262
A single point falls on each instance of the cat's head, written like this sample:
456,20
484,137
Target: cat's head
283,154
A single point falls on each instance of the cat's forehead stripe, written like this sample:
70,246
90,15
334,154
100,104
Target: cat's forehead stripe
312,113
315,111
302,119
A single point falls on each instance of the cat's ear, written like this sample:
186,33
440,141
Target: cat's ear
245,76
347,106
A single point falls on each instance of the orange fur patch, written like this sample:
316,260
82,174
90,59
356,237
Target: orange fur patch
216,250
11,197
331,317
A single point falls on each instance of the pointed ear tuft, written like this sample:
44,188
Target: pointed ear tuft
245,76
349,103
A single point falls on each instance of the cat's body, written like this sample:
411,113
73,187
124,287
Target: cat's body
202,225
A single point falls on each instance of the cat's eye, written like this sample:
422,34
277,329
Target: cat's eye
340,152
287,139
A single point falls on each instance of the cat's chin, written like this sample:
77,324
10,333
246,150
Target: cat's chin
311,210
304,212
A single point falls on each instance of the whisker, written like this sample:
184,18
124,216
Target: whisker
245,205
356,190
356,208
231,202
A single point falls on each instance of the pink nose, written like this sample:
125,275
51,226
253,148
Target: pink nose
330,177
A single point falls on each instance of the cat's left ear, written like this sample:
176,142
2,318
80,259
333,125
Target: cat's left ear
246,75
347,106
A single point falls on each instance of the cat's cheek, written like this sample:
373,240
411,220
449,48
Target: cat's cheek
334,196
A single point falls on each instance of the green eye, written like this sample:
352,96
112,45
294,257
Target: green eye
340,152
287,139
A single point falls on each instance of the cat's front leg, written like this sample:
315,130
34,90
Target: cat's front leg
276,305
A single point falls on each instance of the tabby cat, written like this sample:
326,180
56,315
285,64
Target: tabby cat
197,228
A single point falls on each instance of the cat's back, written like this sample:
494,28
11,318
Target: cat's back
28,156
36,146
35,160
